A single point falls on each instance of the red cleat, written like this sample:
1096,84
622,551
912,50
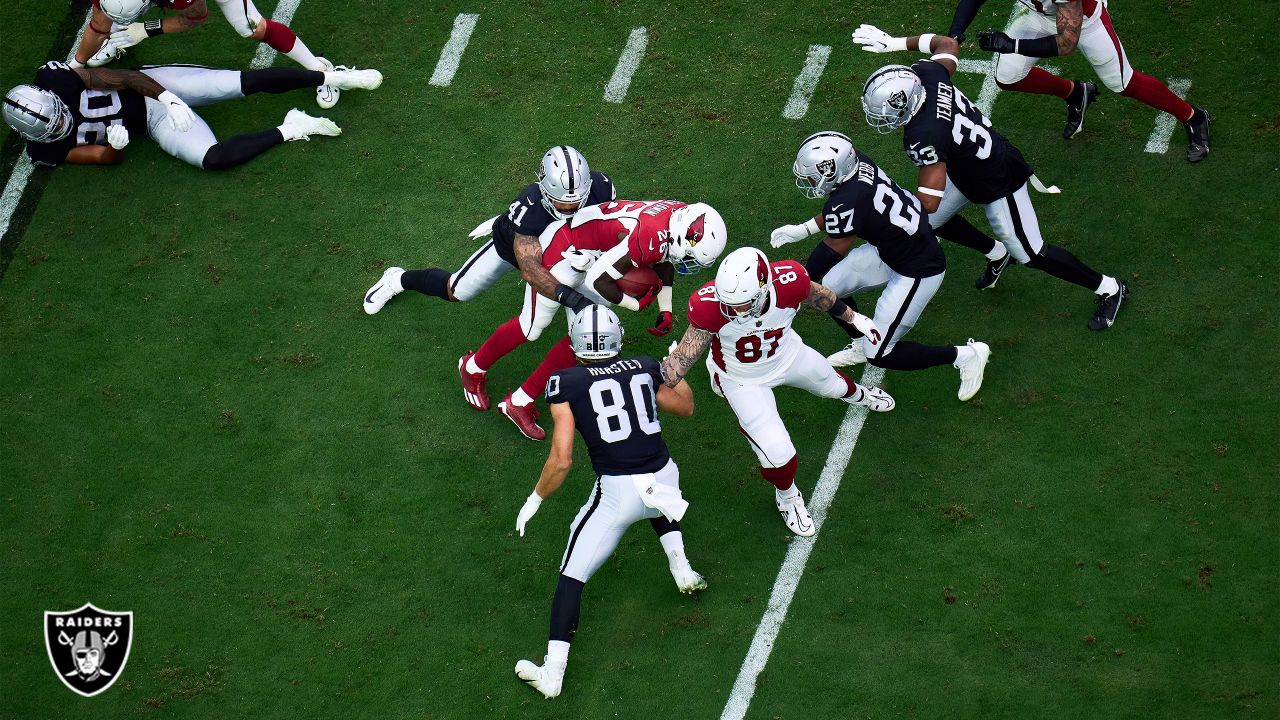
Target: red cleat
473,385
524,416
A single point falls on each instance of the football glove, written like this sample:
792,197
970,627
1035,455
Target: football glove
647,299
580,260
873,39
788,234
129,35
663,326
180,116
484,229
528,511
867,327
996,41
117,136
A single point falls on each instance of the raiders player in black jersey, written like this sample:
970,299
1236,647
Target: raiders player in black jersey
963,160
613,402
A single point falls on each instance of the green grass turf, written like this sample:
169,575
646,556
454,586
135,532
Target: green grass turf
199,424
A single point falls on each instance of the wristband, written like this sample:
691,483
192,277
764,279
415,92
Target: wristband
153,27
629,303
812,226
925,43
1036,47
837,310
664,299
571,298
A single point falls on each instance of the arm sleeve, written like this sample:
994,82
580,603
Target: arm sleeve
966,11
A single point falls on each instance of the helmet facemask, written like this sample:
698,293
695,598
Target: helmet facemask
564,177
37,114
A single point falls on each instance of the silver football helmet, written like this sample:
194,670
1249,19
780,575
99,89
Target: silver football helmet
564,177
892,96
595,334
123,12
37,114
825,159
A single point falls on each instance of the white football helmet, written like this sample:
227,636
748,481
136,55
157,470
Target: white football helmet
825,159
564,177
698,236
743,283
37,114
595,333
892,96
123,12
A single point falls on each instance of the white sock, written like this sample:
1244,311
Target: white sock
304,57
673,546
1109,286
520,397
557,652
791,492
963,352
998,252
472,367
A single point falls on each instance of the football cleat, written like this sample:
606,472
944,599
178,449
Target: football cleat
796,515
345,78
972,369
851,355
991,275
1078,103
1197,135
687,579
298,125
524,416
387,287
108,53
327,95
1108,306
473,384
547,679
874,399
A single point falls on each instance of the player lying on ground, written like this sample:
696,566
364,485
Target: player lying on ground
613,402
1051,28
115,27
88,116
962,159
744,316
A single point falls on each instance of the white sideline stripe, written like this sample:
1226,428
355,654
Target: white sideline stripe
265,55
784,588
1159,141
630,59
806,82
451,53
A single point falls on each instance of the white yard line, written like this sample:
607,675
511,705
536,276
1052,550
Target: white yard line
806,82
265,55
784,588
451,53
630,59
1165,123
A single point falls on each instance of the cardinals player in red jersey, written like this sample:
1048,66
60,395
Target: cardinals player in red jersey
587,254
744,316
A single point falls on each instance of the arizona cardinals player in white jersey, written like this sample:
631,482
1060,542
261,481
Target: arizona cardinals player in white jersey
744,316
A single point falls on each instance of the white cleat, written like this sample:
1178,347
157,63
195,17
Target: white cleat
327,95
972,369
687,579
546,679
346,78
874,399
851,355
796,515
108,53
387,287
298,125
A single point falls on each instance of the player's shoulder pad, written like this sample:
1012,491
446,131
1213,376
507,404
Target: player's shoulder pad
602,188
704,309
790,283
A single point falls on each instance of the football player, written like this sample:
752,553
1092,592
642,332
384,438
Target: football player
115,27
744,316
87,116
901,253
1057,27
613,402
587,254
962,159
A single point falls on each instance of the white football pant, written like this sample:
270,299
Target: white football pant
1098,43
484,268
899,305
195,86
1012,217
613,506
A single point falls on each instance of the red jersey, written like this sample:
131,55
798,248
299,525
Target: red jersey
643,225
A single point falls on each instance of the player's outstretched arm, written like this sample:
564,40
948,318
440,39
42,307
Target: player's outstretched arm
686,352
1070,20
554,471
822,298
943,50
676,400
529,258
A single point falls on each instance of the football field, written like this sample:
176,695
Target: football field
199,424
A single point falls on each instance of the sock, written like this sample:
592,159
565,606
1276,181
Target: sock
673,546
907,355
1108,286
962,232
507,337
854,389
302,55
820,261
431,281
565,607
1042,82
559,357
1062,264
661,526
783,478
278,80
240,149
963,352
557,652
279,37
472,367
1148,90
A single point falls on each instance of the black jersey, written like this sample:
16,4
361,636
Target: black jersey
949,128
526,215
615,408
876,209
91,111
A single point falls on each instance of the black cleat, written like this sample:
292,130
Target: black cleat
1078,103
1197,135
991,275
1108,306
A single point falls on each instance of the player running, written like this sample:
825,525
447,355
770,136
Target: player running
613,402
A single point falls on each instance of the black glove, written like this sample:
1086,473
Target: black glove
958,37
571,298
996,41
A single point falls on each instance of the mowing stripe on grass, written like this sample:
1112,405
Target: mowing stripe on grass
630,59
451,53
1159,141
784,588
806,82
265,55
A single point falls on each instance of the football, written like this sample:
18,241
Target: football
638,281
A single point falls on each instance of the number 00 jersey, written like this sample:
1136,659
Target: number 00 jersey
758,350
615,408
91,112
949,128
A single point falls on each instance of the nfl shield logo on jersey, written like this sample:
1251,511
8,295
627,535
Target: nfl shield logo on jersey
88,646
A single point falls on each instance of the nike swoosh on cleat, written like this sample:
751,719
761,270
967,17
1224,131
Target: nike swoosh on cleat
376,288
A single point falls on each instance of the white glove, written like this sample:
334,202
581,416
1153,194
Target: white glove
484,229
117,136
580,259
128,36
788,234
867,327
873,39
180,116
528,511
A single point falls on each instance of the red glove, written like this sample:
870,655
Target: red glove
647,299
663,326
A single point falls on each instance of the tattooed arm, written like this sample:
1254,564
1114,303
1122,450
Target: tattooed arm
822,298
1070,20
529,258
676,365
108,79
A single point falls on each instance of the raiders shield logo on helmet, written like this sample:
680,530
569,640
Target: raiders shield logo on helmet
898,101
88,646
